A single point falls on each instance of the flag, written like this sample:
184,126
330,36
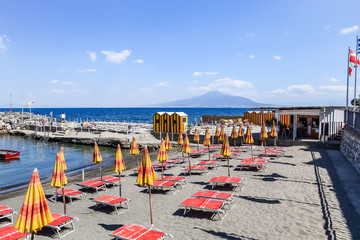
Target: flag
350,70
29,104
352,57
358,46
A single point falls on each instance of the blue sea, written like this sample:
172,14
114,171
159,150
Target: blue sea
41,155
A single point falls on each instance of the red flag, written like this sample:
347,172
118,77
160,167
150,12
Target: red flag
352,57
350,70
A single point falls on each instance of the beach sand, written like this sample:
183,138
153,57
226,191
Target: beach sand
295,198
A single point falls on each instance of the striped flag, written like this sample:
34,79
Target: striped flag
29,104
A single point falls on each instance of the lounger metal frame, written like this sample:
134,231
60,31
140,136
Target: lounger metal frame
114,206
240,184
68,196
57,229
92,187
154,229
8,215
173,188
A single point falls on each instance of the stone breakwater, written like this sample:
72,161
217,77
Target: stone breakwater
13,120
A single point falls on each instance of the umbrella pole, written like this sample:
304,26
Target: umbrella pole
120,184
64,200
252,155
234,142
209,152
100,171
151,217
32,236
198,145
274,142
228,166
189,164
162,170
265,146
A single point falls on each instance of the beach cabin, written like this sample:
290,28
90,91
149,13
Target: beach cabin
247,116
158,122
178,121
167,122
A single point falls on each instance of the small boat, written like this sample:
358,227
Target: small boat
8,154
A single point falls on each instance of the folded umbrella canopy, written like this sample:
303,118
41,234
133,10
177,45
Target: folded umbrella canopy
35,212
248,139
187,149
263,134
222,131
97,157
196,138
241,133
59,179
167,142
225,151
119,165
62,157
162,156
134,150
234,135
217,132
273,133
207,141
147,175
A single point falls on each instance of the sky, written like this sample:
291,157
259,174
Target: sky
133,53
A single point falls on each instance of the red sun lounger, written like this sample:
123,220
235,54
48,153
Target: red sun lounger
270,154
252,164
7,212
233,181
254,160
166,186
181,159
197,153
12,233
172,161
112,201
197,169
70,193
210,164
93,185
136,170
159,165
217,207
109,180
181,180
223,196
60,222
137,232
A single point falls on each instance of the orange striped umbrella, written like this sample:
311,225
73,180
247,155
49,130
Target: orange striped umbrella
97,157
167,142
241,133
273,133
180,140
222,131
134,150
162,156
225,151
263,134
62,157
234,135
248,139
59,179
119,165
207,140
146,175
35,212
196,138
187,149
217,132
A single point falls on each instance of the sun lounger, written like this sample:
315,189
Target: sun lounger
12,233
215,195
172,161
181,159
109,180
210,149
197,153
222,180
252,164
197,169
93,184
70,193
136,170
210,164
112,201
179,179
60,222
7,212
158,166
270,154
254,160
221,157
217,207
137,232
166,186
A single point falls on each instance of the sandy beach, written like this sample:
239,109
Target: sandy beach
299,196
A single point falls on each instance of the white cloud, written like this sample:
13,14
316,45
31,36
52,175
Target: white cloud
197,74
279,91
161,84
332,79
228,85
252,56
57,90
116,57
336,88
211,73
92,55
69,83
88,70
138,61
54,81
305,88
3,39
146,89
349,30
327,27
277,57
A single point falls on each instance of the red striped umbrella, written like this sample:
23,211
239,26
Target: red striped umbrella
187,149
248,139
241,133
263,134
146,175
196,138
35,212
97,157
234,135
59,179
62,157
207,140
273,133
222,131
225,151
180,140
167,142
119,165
217,132
162,156
134,150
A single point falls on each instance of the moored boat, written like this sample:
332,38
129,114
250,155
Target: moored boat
8,154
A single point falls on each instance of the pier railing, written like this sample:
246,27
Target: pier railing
352,119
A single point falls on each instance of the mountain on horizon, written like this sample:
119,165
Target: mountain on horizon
213,99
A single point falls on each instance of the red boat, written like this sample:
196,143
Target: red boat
8,154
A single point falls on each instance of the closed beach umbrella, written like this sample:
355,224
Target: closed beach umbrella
62,157
241,133
97,157
273,133
248,139
222,131
207,140
180,140
167,142
35,212
119,165
59,179
225,151
196,138
187,149
263,134
162,156
234,135
217,132
134,150
146,175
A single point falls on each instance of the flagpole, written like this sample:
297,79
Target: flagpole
347,87
22,108
356,59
